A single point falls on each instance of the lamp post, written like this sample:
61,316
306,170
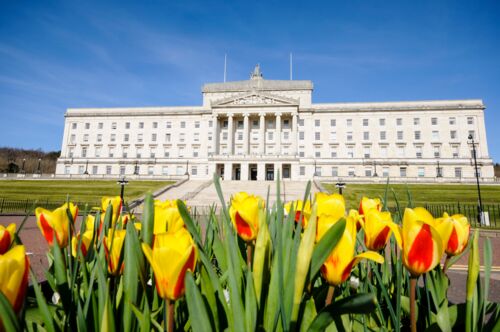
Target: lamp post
22,168
480,206
122,182
187,169
38,167
438,171
375,168
86,168
136,168
340,185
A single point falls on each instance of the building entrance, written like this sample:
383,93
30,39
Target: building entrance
253,172
220,170
286,171
236,172
269,172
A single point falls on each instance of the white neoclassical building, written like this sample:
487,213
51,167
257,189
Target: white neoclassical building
250,130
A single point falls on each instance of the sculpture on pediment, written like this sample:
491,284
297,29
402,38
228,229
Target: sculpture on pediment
256,74
254,100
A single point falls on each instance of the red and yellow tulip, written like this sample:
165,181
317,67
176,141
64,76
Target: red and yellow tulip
300,208
116,203
244,212
113,245
332,205
167,217
378,227
6,237
366,204
454,231
14,268
56,222
337,267
172,255
87,237
422,245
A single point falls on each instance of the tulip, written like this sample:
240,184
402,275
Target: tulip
337,267
6,237
332,205
113,244
454,231
56,222
378,227
300,208
87,237
116,203
367,204
14,268
244,212
172,255
167,217
422,245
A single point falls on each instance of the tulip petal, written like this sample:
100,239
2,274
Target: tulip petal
242,227
185,265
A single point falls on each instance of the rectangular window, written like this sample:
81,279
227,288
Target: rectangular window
97,151
138,153
141,125
151,170
437,152
453,121
333,136
86,137
152,153
368,172
197,137
434,121
124,152
169,125
317,136
455,151
335,171
366,135
383,151
317,123
333,122
381,122
383,135
94,169
164,170
113,137
167,137
194,170
210,124
302,170
126,137
87,125
349,122
71,152
400,135
350,152
402,172
99,137
453,134
73,125
416,121
155,125
470,120
113,125
349,135
224,135
418,150
108,170
183,124
197,124
351,172
365,122
458,172
286,123
182,137
81,169
417,135
181,151
301,135
399,121
301,122
240,124
100,125
435,135
385,172
317,153
72,139
421,172
84,152
111,152
166,153
240,136
286,135
366,152
139,138
317,171
472,134
333,153
270,136
127,125
153,137
195,152
401,151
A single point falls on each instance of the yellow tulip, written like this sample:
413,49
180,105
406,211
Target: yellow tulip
300,208
378,227
332,205
172,255
337,267
167,217
454,231
6,237
367,204
14,268
56,222
116,203
88,234
244,212
113,245
422,245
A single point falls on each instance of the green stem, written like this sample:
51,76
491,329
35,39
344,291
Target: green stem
446,263
413,317
249,254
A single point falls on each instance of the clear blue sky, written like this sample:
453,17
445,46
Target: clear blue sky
60,54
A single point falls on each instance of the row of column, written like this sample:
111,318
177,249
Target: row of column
246,133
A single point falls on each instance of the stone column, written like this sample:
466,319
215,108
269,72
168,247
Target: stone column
278,134
215,135
246,134
230,135
262,133
294,134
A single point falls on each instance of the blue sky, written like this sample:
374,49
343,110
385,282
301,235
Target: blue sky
60,54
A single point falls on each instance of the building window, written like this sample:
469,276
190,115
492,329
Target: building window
81,169
197,137
301,154
210,123
472,134
197,124
164,170
435,135
84,152
400,135
113,125
366,135
418,150
383,151
401,151
97,151
383,135
124,152
151,170
127,125
349,122
138,153
301,122
240,124
86,137
470,120
349,135
94,169
87,125
351,172
108,170
182,137
368,172
333,122
417,135
317,123
152,153
71,152
100,125
381,122
113,137
224,135
402,172
183,124
72,139
195,152
286,123
333,153
270,136
286,135
167,137
453,121
350,152
421,172
434,121
155,125
453,134
122,170
455,150
181,151
73,125
458,172
240,136
139,138
399,121
385,172
99,137
333,136
194,170
317,136
166,153
366,152
301,135
416,121
437,152
126,137
317,153
302,170
365,122
141,125
169,125
335,171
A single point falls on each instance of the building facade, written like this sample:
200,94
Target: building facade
250,130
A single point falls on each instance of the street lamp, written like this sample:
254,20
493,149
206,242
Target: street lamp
22,168
187,165
136,168
375,168
340,185
38,167
480,206
438,171
122,182
86,168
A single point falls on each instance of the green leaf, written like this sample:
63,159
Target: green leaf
189,223
261,256
42,304
80,318
325,246
355,304
208,291
471,290
308,315
9,318
250,304
443,317
148,219
199,317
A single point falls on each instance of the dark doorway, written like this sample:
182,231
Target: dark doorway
220,170
286,171
236,172
269,172
253,172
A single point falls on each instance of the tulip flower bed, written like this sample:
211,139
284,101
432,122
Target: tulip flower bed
304,265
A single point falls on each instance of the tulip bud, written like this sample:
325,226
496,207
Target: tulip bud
300,208
454,231
244,212
378,227
113,244
172,255
366,204
14,268
6,237
116,203
167,217
57,222
332,205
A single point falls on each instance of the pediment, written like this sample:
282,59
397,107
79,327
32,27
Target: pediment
255,99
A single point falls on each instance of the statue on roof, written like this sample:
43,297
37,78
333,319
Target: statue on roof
256,72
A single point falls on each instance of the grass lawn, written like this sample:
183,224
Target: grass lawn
420,193
78,190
